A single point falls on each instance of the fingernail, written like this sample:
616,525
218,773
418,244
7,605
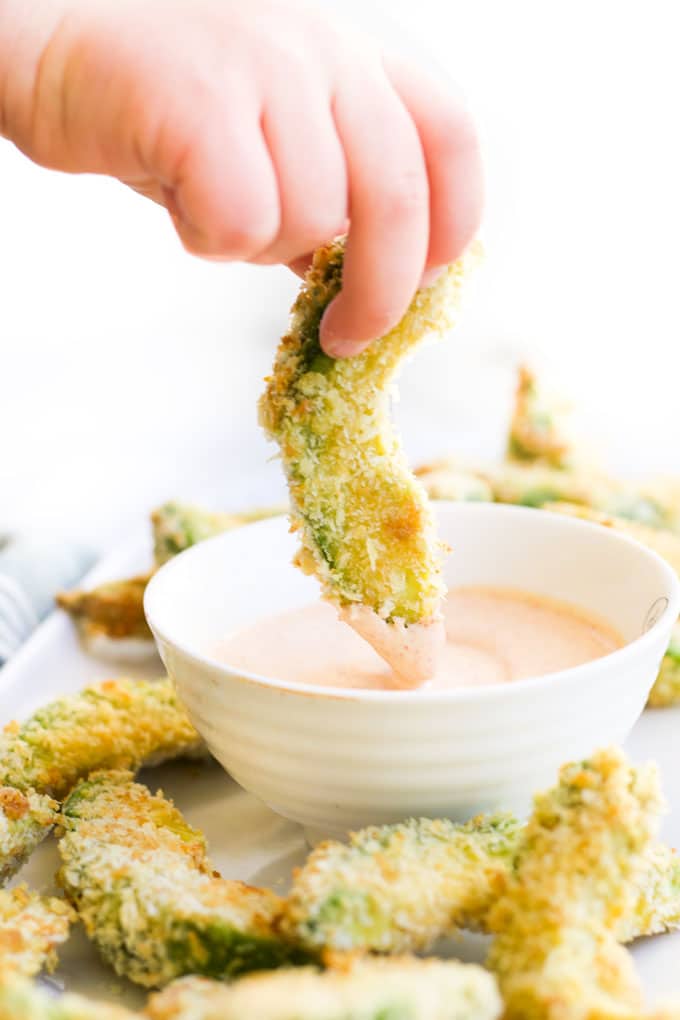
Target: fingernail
333,343
430,275
336,347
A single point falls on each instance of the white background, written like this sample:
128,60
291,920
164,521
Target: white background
129,371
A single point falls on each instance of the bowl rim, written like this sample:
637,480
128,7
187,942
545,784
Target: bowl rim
574,674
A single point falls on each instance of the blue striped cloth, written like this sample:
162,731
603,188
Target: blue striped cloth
32,571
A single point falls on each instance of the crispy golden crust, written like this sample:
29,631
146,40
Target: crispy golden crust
666,689
402,989
535,429
114,724
25,820
31,928
114,609
24,1000
538,484
397,888
142,884
449,479
575,878
177,526
364,522
665,543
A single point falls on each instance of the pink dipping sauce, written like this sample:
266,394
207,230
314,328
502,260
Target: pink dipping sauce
493,636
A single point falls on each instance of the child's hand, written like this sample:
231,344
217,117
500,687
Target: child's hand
262,126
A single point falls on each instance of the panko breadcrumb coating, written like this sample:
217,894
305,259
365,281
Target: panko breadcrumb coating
114,609
365,525
575,878
397,989
665,543
177,526
114,724
665,492
448,479
24,1000
142,884
25,820
538,484
31,928
397,888
535,428
666,689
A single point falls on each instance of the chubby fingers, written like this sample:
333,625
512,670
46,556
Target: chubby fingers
310,168
224,199
454,166
387,242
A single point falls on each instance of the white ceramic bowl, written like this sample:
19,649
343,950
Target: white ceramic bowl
334,759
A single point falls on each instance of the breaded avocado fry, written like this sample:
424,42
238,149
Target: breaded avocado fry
141,882
365,525
114,609
576,876
536,431
448,479
666,689
665,543
397,888
31,928
402,989
24,1000
114,724
25,820
177,526
657,900
538,484
665,493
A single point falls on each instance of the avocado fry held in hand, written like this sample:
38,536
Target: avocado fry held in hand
364,520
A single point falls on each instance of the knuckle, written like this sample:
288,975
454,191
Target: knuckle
407,198
243,239
316,229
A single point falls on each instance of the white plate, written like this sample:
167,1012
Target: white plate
247,840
